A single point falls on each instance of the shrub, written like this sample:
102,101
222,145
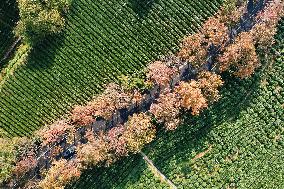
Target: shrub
191,97
60,174
136,82
39,18
7,159
11,151
138,131
231,12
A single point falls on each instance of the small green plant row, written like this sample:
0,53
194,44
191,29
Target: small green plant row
175,97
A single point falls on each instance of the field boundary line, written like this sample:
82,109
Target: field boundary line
156,171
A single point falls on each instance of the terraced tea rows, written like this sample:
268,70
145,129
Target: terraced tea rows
102,40
237,143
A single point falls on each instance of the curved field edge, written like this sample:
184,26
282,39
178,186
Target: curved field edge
102,40
237,143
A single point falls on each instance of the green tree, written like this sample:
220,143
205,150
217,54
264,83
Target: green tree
39,18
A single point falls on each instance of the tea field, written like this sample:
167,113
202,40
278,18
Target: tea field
237,143
102,40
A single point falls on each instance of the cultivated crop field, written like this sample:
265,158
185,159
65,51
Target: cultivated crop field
102,40
237,143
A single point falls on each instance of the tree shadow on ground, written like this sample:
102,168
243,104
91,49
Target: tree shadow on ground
111,177
45,49
142,7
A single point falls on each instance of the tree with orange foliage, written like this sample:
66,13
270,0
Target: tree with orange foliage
209,83
195,47
191,97
215,33
241,56
167,110
95,152
192,50
82,115
138,131
60,174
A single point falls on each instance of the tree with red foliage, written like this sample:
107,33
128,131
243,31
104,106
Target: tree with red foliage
104,105
116,142
160,73
55,133
26,164
264,30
